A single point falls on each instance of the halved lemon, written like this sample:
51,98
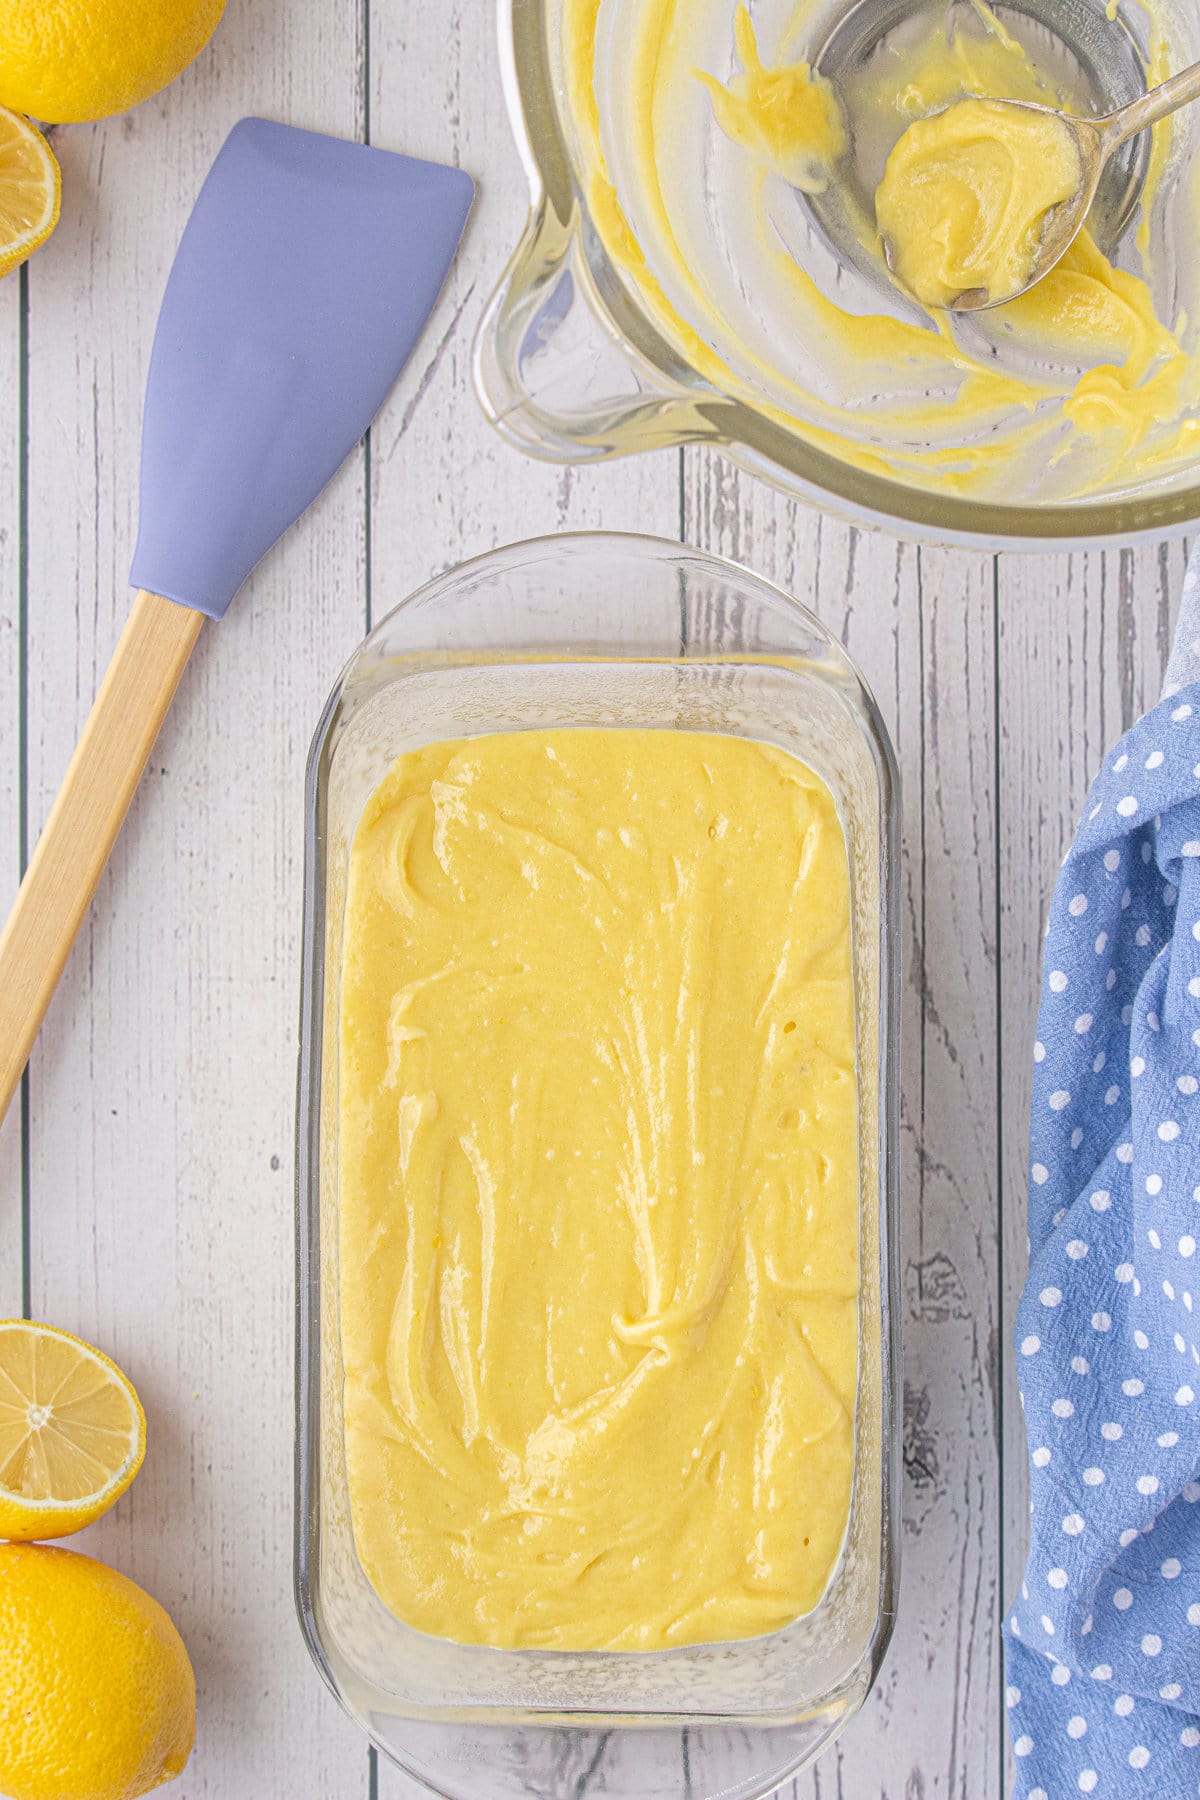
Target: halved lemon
72,1432
30,190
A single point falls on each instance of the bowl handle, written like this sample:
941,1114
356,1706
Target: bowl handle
554,377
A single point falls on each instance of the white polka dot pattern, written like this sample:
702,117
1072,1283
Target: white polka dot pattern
1103,1645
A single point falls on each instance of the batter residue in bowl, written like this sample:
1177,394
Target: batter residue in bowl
599,1243
1078,388
789,114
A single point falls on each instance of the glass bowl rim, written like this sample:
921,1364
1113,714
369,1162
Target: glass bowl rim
746,435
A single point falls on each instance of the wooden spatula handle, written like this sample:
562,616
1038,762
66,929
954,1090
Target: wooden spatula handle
86,817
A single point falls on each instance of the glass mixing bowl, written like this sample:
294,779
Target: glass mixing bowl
598,343
615,631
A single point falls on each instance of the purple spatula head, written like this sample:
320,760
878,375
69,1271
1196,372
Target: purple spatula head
301,284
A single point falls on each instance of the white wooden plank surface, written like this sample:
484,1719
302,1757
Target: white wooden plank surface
444,484
161,1094
10,783
161,1128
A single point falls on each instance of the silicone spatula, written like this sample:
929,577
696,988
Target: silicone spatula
300,287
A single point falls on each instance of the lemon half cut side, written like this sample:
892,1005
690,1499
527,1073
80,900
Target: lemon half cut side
72,1432
30,190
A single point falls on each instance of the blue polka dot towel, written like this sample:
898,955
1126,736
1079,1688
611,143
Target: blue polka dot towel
1103,1642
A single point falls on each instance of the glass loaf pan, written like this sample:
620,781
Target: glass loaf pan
598,629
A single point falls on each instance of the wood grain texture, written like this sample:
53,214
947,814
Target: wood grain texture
162,1086
11,1228
920,623
444,484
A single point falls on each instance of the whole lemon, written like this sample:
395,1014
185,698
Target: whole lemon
97,1698
64,60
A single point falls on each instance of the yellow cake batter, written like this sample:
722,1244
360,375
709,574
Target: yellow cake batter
1077,387
599,1189
965,195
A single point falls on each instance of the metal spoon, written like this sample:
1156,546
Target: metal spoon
1095,141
